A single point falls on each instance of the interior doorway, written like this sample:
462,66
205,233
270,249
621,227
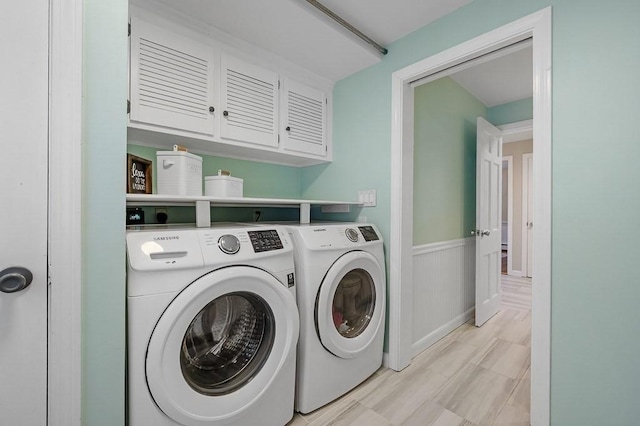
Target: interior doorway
517,202
538,27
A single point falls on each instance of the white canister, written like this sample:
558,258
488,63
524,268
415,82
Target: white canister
223,186
179,173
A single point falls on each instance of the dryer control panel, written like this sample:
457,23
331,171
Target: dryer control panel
368,233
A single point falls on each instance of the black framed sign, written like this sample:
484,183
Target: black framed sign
139,175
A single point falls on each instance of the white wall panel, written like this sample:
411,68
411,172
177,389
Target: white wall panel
443,289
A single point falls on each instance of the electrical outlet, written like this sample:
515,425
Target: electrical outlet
161,215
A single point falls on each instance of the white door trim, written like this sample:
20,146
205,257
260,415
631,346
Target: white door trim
526,268
509,160
514,132
538,26
518,131
65,209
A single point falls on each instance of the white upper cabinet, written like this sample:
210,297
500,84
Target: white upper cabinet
304,118
172,80
193,87
249,102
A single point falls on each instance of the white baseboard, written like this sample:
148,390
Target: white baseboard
441,332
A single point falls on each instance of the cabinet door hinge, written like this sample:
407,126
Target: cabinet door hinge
128,106
129,33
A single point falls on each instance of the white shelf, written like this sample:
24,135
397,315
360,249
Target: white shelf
203,204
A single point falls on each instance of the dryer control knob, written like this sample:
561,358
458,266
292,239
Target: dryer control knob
351,234
229,244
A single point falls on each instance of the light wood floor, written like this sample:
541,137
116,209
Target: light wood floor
473,376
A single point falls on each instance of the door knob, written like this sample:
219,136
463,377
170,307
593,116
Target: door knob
485,232
475,232
15,279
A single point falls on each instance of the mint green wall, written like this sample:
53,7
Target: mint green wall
444,203
595,377
511,112
261,180
104,166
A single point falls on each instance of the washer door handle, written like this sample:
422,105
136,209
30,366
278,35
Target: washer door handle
15,279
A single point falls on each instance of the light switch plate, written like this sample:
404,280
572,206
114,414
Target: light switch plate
367,197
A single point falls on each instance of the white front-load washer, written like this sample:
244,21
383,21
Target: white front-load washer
212,326
341,292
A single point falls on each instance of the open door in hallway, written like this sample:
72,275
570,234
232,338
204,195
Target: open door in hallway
488,220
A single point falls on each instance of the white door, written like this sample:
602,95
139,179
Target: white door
488,220
24,43
527,214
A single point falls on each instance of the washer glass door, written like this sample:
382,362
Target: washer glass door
350,304
220,344
227,343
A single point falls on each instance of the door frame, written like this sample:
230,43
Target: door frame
538,27
509,160
64,369
526,268
514,132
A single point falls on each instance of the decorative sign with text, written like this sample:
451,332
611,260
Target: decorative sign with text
138,175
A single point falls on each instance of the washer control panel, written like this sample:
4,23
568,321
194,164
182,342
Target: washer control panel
265,240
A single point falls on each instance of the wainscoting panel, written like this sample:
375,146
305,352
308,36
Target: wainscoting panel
443,289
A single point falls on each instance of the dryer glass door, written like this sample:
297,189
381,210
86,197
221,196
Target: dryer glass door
354,301
350,305
227,343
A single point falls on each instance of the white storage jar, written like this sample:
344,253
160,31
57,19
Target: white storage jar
179,173
223,186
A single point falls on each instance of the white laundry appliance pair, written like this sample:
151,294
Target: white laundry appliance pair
212,326
341,293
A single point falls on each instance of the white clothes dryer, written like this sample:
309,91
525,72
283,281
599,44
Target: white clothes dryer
212,326
341,292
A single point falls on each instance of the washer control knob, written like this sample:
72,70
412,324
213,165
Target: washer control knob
351,234
229,244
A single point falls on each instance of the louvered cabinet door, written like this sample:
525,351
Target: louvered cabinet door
171,80
304,119
249,102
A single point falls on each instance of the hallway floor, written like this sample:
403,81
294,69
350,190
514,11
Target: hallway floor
473,376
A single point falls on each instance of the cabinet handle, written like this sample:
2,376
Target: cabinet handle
211,109
288,129
225,113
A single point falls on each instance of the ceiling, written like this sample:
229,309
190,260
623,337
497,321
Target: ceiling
299,33
499,81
